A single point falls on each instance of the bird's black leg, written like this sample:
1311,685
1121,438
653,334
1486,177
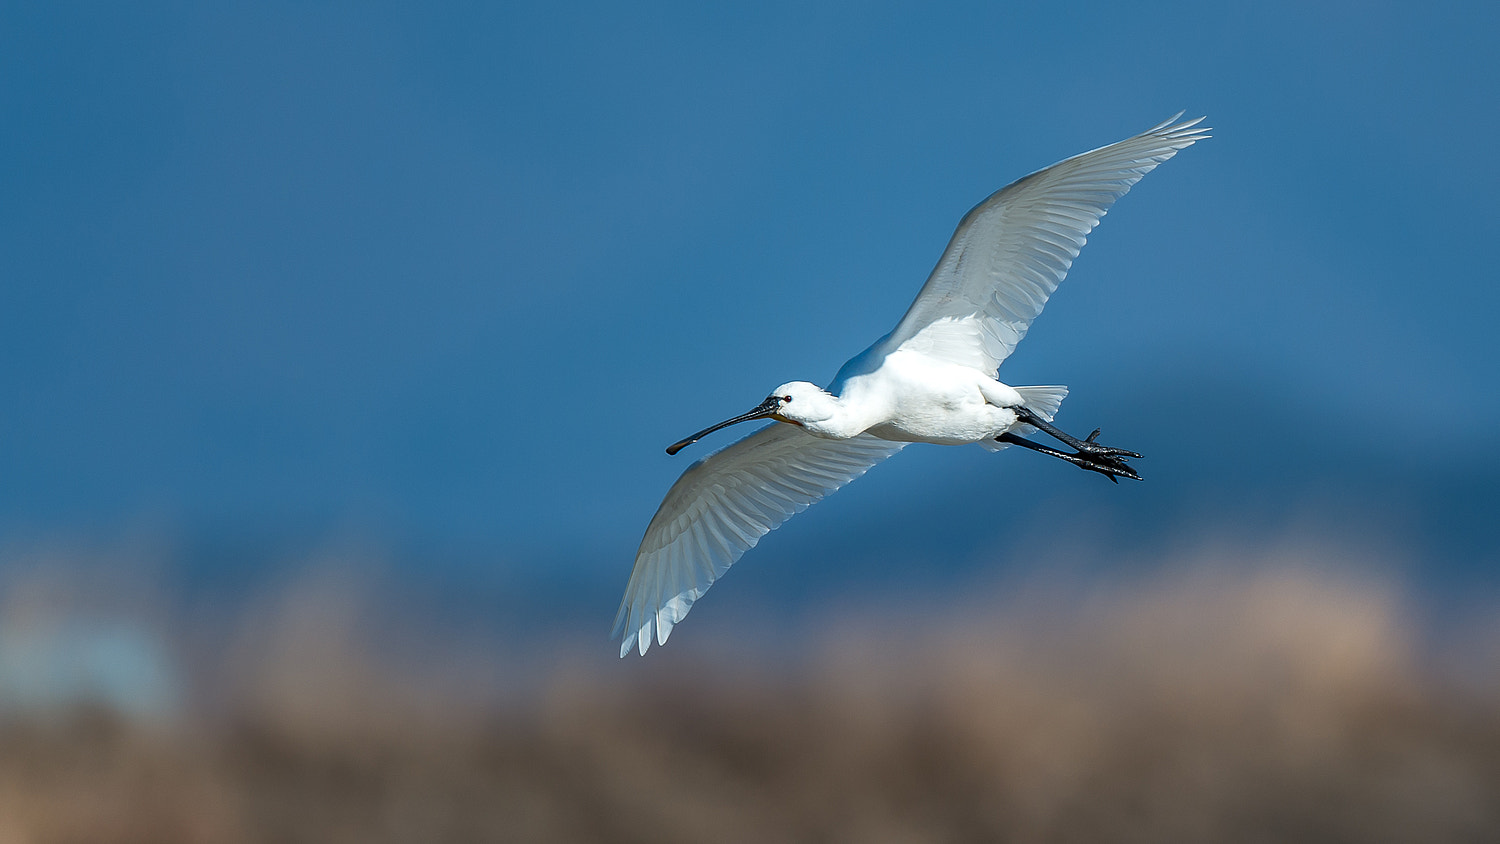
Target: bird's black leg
1106,460
1087,446
1109,467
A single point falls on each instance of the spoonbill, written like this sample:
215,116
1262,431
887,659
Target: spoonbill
931,380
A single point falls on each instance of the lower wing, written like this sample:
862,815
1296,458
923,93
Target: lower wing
720,508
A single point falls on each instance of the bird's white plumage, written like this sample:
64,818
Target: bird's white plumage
1006,258
720,508
1044,400
1012,250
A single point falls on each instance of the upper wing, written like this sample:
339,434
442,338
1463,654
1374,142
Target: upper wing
1013,249
720,507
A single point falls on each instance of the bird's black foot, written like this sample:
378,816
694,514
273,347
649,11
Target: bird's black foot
1106,460
1089,446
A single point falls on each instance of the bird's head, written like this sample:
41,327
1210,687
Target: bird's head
801,403
796,402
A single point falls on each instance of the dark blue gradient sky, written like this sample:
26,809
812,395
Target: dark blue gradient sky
457,274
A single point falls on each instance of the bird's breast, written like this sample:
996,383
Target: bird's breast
911,397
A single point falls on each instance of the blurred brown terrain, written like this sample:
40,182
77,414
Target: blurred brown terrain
1255,702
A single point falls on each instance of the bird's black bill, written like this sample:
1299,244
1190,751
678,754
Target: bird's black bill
762,411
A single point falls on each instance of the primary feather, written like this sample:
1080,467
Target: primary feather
1013,249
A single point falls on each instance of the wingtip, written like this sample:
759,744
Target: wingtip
1168,122
632,637
1176,129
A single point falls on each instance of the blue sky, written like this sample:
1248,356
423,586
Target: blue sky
460,272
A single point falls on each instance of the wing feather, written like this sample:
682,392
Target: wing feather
1012,250
720,508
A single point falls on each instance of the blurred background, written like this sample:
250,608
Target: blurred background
339,345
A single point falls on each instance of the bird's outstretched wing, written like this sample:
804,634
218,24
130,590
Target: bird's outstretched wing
720,507
1012,250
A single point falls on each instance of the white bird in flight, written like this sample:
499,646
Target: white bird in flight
930,380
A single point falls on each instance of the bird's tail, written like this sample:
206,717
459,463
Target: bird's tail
1043,401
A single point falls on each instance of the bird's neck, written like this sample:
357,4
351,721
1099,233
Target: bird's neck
849,419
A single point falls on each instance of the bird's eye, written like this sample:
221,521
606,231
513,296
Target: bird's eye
787,399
